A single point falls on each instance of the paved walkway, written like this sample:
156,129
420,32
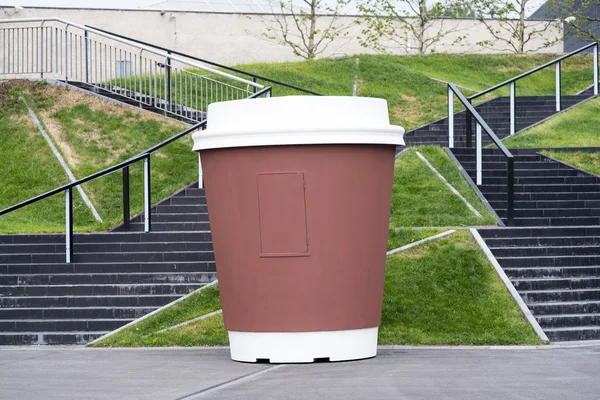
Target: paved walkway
406,373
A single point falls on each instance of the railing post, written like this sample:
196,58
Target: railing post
66,56
69,226
169,99
254,88
513,107
87,66
147,196
478,152
141,91
557,86
510,189
450,118
42,52
596,69
200,177
468,120
126,209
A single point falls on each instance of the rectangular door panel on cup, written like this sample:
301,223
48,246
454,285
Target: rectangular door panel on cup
282,214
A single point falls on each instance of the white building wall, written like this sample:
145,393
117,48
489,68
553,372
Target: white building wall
236,38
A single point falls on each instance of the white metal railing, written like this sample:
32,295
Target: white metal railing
62,50
556,63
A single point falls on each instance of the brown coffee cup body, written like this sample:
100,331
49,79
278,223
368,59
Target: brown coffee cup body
300,234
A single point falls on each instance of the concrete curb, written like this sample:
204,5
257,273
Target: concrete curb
452,188
189,321
524,309
418,242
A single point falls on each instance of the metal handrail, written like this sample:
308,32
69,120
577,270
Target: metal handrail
104,172
480,120
536,69
124,166
133,43
239,71
481,124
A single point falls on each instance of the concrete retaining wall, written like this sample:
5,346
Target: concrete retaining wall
236,38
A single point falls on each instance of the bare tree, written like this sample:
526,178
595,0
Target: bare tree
409,24
308,28
506,22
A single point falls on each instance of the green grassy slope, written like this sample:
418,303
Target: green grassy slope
479,72
441,292
420,198
29,168
577,127
91,134
405,82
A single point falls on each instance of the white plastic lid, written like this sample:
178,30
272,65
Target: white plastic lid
298,120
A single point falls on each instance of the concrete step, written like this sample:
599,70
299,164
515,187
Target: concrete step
100,312
556,283
550,261
95,289
48,338
573,333
116,257
518,273
61,325
108,267
108,278
106,247
172,226
568,320
152,300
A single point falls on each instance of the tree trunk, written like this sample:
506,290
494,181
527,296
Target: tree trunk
313,26
421,29
521,27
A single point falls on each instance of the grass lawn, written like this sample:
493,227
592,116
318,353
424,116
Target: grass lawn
446,292
91,134
482,71
420,198
441,292
29,168
414,98
577,127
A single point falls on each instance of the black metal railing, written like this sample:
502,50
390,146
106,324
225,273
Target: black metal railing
513,90
124,167
254,77
482,125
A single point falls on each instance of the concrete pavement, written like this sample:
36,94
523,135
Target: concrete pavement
404,373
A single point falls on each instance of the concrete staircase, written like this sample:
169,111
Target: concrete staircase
556,270
547,193
530,110
115,277
554,259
